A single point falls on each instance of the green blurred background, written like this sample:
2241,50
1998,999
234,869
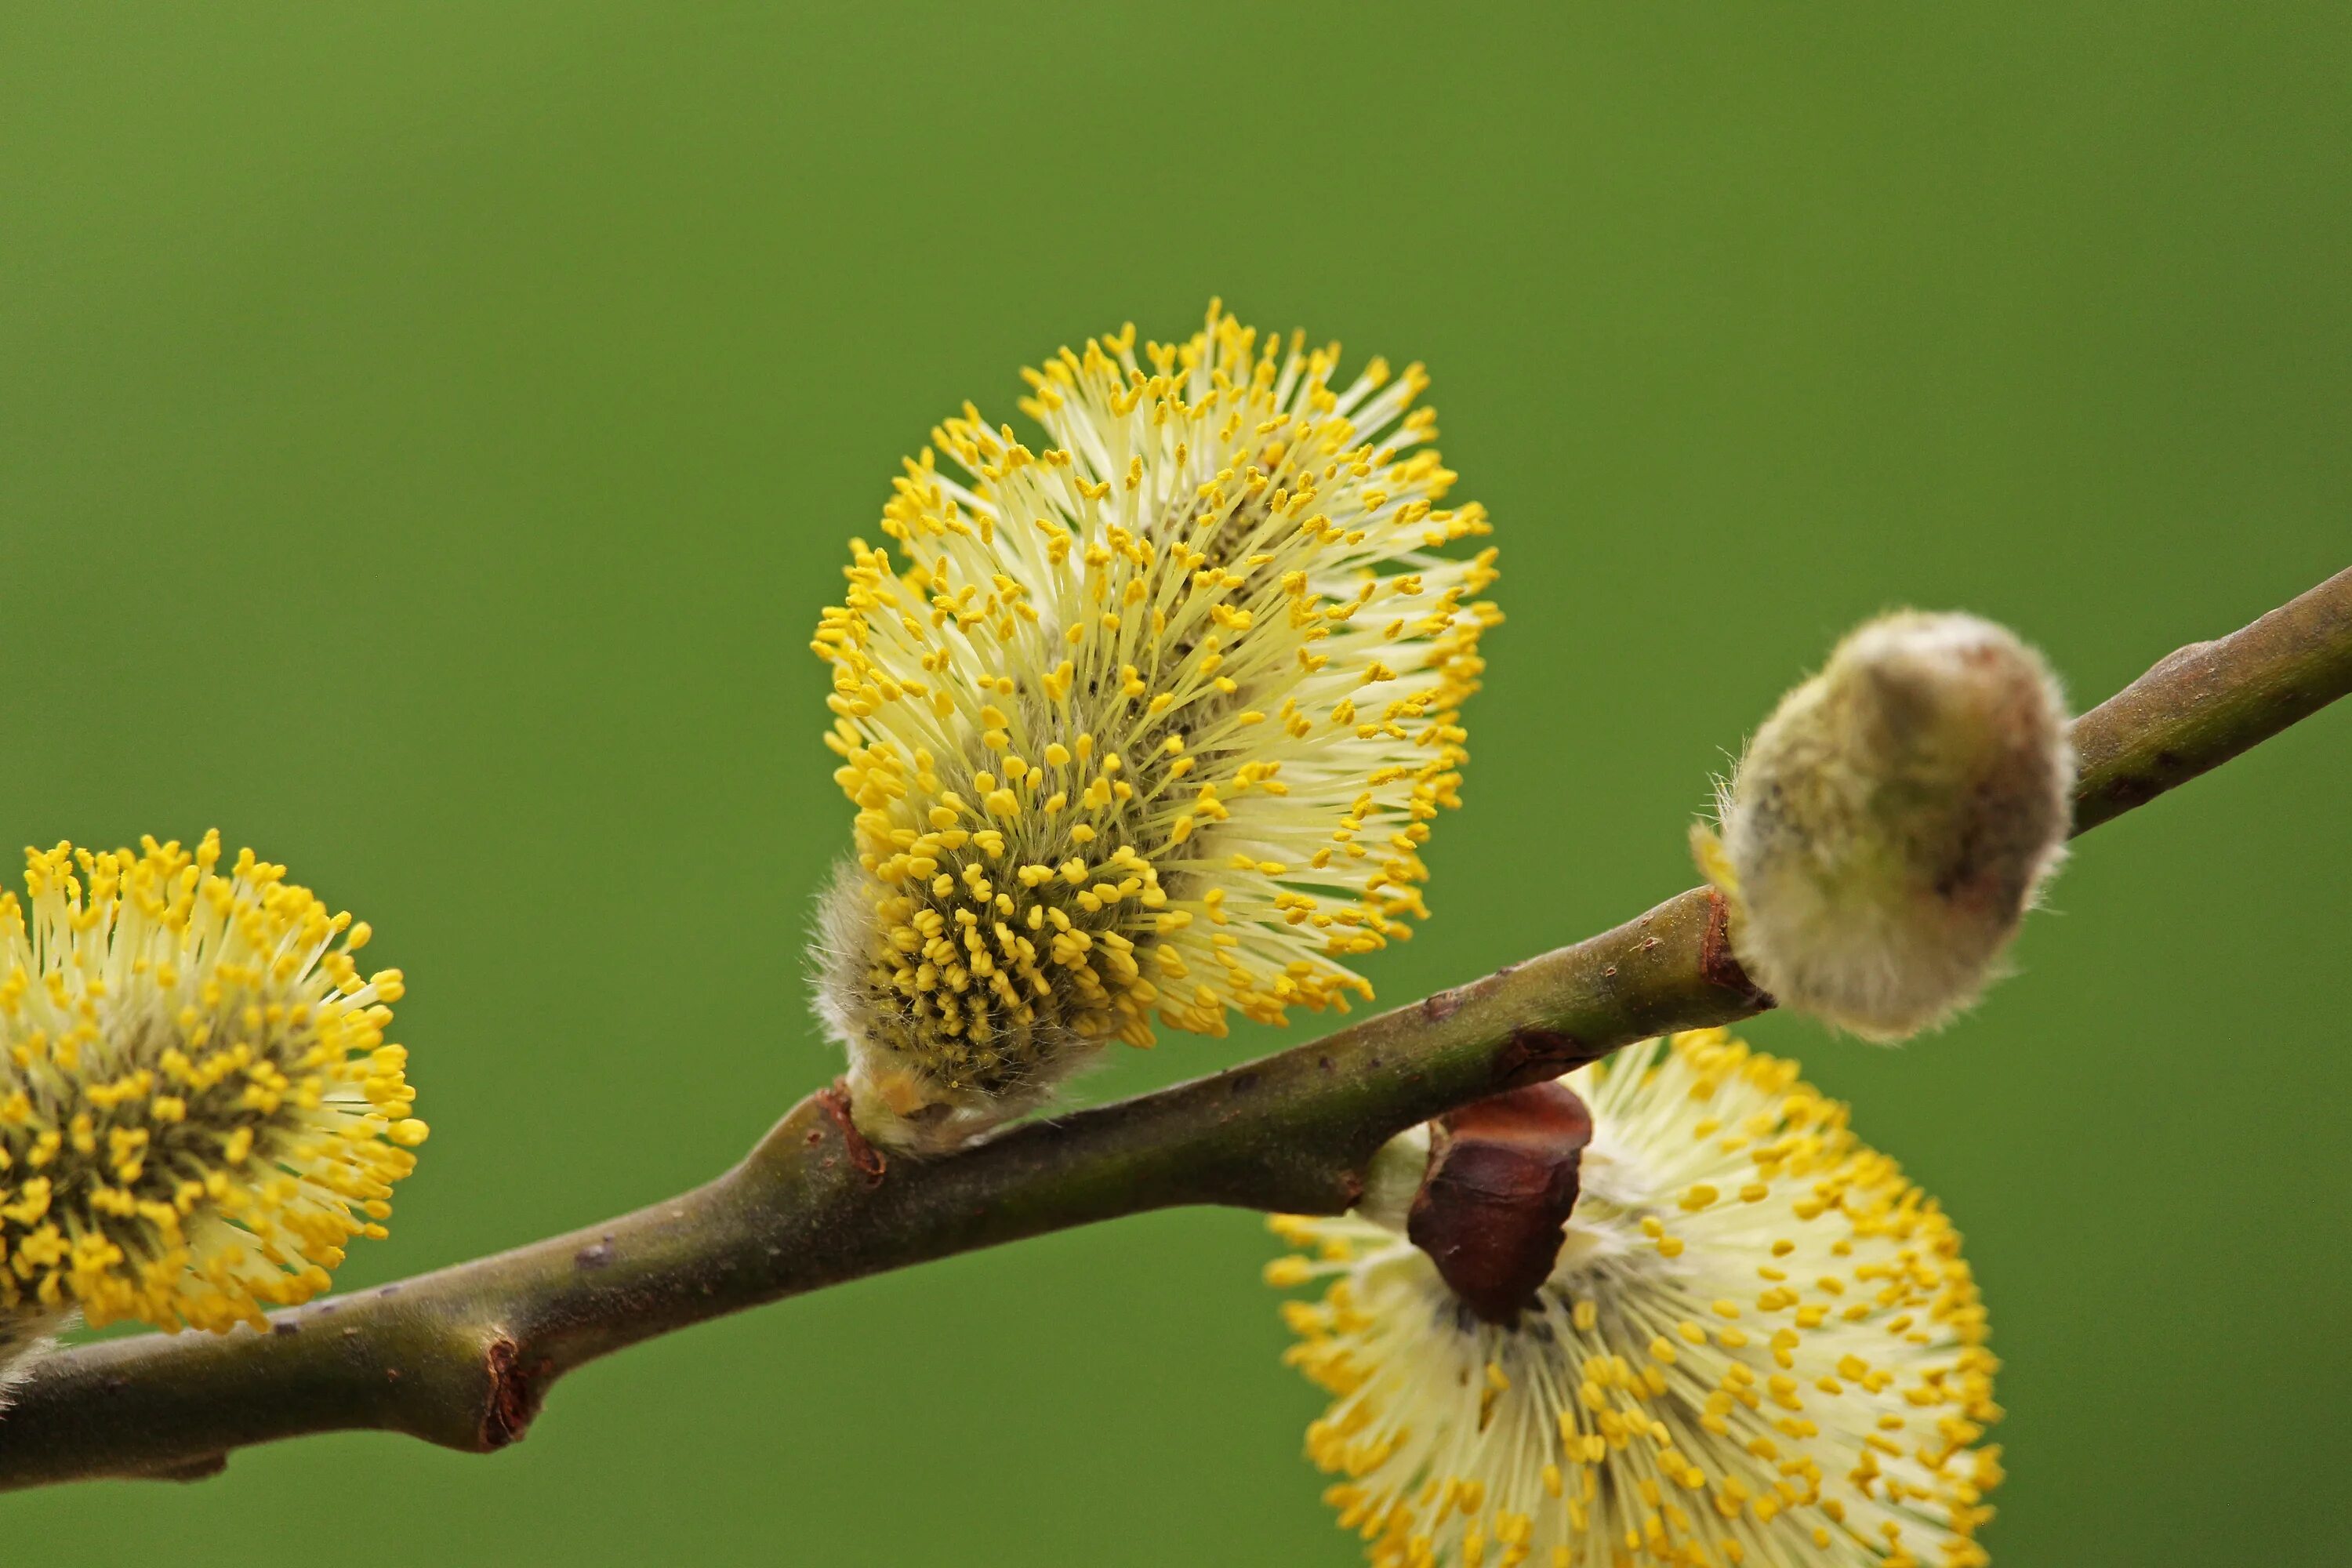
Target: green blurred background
427,434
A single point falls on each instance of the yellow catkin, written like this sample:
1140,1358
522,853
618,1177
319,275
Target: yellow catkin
1623,1419
198,1109
1145,727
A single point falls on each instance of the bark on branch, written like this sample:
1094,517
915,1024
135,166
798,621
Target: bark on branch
463,1357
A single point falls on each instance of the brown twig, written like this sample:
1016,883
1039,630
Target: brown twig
2205,703
463,1357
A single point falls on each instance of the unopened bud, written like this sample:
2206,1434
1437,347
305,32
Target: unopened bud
1891,821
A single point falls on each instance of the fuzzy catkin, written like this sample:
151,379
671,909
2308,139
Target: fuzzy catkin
198,1108
1891,822
1145,729
1762,1347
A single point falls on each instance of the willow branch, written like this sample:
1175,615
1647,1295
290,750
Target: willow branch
464,1356
2205,703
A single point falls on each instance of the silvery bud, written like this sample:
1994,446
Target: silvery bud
1891,822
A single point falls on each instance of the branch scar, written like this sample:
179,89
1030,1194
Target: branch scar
862,1154
515,1391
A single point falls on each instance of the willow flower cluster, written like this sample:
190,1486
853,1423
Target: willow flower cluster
198,1108
1760,1345
1145,726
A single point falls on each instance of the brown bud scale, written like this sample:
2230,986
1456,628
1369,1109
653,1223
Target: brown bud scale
1501,1181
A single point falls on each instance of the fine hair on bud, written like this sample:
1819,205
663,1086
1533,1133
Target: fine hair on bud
1891,822
1145,728
27,1334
